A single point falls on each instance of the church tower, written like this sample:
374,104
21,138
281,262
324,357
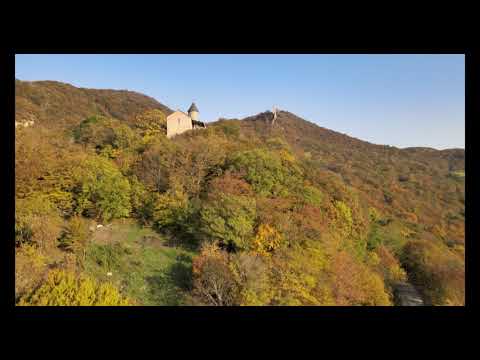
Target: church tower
193,112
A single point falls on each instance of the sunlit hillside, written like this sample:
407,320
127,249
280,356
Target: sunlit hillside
111,212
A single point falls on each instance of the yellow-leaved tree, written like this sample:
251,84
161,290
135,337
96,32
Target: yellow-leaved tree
266,240
65,289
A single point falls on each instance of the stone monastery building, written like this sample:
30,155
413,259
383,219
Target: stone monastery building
178,122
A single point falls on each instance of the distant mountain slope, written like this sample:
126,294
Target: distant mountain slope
56,103
308,137
400,182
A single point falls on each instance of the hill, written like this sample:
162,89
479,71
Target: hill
422,181
53,103
290,214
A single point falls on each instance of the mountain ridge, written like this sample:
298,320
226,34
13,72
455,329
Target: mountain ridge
56,103
27,99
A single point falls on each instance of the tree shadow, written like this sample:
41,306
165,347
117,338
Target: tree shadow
180,240
170,287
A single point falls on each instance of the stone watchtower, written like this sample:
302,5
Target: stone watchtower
193,112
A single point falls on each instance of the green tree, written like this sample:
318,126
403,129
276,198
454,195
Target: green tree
75,237
229,219
102,191
269,173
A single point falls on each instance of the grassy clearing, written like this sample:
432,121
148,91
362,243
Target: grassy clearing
141,263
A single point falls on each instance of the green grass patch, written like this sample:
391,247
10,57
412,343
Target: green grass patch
142,265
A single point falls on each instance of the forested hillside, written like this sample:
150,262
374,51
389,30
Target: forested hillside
53,103
111,212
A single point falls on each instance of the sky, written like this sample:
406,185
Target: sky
399,100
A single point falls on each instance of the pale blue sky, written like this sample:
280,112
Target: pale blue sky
400,100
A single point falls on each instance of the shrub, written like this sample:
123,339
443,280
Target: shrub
30,266
37,222
312,195
65,289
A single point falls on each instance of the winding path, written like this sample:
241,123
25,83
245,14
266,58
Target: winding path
406,295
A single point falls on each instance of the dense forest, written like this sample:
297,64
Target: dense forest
108,211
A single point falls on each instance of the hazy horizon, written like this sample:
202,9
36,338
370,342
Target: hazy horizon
397,100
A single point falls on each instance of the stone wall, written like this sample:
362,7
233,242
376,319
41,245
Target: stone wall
177,123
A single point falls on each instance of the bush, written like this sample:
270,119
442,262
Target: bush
37,222
312,195
65,289
30,266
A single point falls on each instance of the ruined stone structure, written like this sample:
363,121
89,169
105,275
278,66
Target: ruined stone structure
24,123
178,122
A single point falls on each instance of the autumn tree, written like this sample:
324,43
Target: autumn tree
66,289
355,284
75,237
37,222
266,240
268,172
229,219
436,270
213,280
101,190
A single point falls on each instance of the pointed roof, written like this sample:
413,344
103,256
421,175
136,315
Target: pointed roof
193,107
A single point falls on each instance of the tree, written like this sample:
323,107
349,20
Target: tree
268,172
437,271
266,240
65,289
75,237
355,284
108,136
101,190
171,210
151,122
251,274
229,219
213,280
389,266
